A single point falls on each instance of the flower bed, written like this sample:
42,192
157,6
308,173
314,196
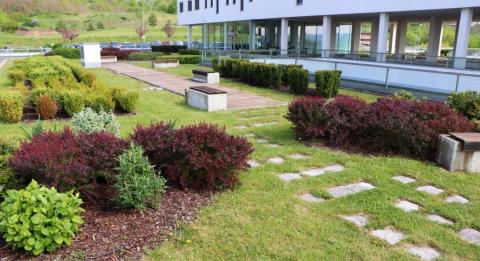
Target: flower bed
50,87
404,127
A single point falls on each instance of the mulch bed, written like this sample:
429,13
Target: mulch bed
110,234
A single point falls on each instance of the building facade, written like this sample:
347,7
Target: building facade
375,30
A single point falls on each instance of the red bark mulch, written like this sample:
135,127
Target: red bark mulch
123,234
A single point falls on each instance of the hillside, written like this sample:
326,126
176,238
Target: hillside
34,22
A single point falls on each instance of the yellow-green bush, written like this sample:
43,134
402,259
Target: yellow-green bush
72,102
11,106
100,103
16,76
38,92
125,101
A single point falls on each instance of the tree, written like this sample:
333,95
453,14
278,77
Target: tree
68,34
172,7
169,29
100,26
90,27
141,31
152,20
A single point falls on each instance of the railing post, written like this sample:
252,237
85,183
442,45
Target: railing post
387,84
458,81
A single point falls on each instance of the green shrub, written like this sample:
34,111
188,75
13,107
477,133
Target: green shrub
125,101
327,83
88,121
404,95
298,80
216,64
101,103
137,183
168,48
183,59
466,103
259,74
46,107
189,52
69,53
6,147
11,106
39,219
72,102
16,76
143,56
284,68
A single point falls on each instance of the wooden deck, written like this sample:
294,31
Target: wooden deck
235,99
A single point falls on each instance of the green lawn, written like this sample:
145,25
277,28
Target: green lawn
263,219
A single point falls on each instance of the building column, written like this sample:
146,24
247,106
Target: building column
333,39
294,35
205,36
327,31
252,39
225,36
435,38
189,36
393,38
270,33
356,36
382,37
302,36
284,36
463,37
401,37
374,37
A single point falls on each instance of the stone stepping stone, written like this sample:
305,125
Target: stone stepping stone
357,220
389,235
298,156
342,191
456,199
320,171
250,135
407,206
242,127
431,190
424,253
253,163
403,179
276,160
275,146
289,176
472,236
263,124
262,141
439,219
310,198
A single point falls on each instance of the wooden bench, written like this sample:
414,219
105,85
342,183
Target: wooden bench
165,63
206,98
209,77
459,152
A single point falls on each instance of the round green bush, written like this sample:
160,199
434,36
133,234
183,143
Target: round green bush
327,83
125,100
297,80
72,102
137,184
39,219
36,93
11,106
101,103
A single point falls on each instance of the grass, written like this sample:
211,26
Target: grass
263,219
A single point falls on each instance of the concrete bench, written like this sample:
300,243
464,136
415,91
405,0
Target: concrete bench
165,63
459,152
206,98
208,77
109,59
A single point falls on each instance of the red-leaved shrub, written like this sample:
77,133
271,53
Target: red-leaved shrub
309,117
202,157
65,161
405,127
119,53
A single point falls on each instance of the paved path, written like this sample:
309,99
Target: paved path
235,99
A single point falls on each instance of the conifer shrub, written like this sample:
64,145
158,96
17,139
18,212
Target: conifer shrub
327,83
297,80
11,106
72,102
46,107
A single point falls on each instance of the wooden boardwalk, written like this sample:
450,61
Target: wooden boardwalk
235,99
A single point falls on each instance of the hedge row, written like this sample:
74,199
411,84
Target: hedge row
168,48
69,53
120,54
183,59
258,74
189,52
405,127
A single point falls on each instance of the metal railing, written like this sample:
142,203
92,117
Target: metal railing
22,52
406,59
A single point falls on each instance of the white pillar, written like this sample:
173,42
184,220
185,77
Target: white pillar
327,30
189,36
374,37
225,36
401,37
284,36
463,37
252,34
382,37
294,35
356,36
435,38
393,38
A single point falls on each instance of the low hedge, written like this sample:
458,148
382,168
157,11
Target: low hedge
183,59
143,56
69,53
258,74
284,68
189,52
297,80
11,106
327,83
405,127
168,48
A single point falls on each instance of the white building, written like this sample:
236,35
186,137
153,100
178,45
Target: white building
334,34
